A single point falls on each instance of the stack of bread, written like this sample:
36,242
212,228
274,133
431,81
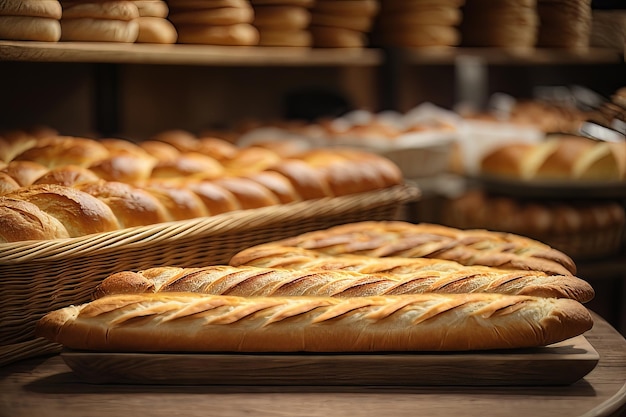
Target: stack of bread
153,24
360,287
419,23
60,186
343,23
564,24
506,24
30,20
283,22
99,21
214,22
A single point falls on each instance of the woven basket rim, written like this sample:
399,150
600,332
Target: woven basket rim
137,237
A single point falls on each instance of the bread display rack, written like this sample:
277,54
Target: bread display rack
41,276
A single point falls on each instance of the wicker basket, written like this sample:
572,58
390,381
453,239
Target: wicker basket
38,277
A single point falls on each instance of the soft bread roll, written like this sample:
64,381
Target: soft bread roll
206,323
80,213
27,28
24,172
218,16
156,30
115,10
242,34
281,17
68,175
152,8
22,221
65,150
423,240
50,9
99,30
342,277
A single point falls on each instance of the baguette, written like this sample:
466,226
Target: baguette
423,240
260,281
184,322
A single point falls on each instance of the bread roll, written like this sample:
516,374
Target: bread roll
281,17
242,34
24,172
156,30
99,30
114,10
219,16
68,175
7,183
65,150
50,9
343,276
205,323
80,213
423,240
27,28
23,221
152,8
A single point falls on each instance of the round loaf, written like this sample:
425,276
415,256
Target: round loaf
27,28
242,34
156,30
99,30
115,10
50,9
21,221
80,213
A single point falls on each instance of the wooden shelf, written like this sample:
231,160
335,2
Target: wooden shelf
498,56
122,53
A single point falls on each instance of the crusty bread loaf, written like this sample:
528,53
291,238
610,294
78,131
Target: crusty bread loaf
21,220
184,322
560,157
339,277
423,240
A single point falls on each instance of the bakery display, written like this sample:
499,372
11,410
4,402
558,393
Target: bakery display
206,323
30,20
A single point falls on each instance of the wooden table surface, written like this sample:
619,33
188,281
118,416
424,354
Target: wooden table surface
47,387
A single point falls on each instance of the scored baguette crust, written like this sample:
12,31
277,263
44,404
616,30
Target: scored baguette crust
258,281
423,240
206,323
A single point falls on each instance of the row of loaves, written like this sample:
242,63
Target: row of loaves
282,297
58,189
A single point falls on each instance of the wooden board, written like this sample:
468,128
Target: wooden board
560,364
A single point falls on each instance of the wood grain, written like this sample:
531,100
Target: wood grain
559,364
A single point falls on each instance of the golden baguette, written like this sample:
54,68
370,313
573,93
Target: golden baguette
257,281
408,240
184,322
